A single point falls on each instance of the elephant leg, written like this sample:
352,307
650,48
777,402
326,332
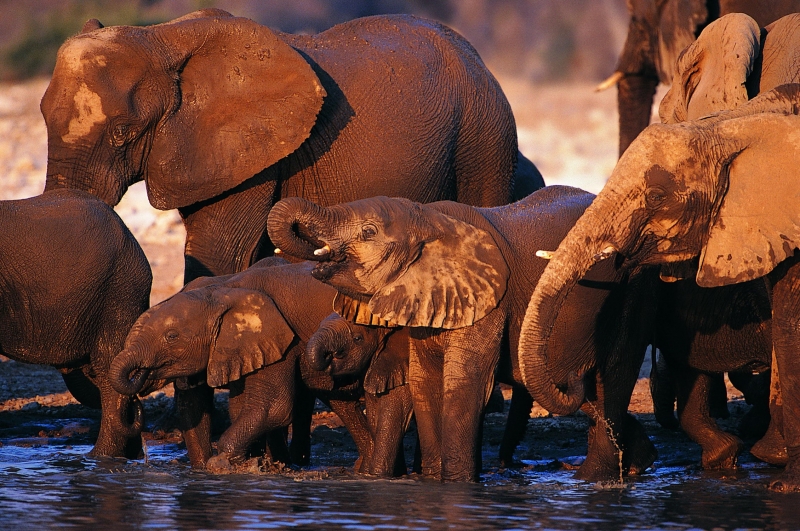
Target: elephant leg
468,383
272,444
639,453
121,425
516,424
662,390
720,449
718,396
351,415
771,448
388,416
82,388
425,377
194,407
786,341
755,388
228,233
300,447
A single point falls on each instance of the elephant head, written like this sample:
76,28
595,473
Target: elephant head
162,103
412,264
714,197
224,333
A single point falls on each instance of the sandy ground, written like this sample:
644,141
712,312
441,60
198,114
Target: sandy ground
569,131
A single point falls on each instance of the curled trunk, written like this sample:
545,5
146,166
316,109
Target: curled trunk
583,246
292,223
321,348
128,373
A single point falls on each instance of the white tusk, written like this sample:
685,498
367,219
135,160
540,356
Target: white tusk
605,253
612,80
278,251
547,255
322,251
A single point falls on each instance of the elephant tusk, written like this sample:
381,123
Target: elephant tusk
322,251
278,251
612,80
547,255
605,253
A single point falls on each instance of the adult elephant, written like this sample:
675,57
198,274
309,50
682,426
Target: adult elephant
459,278
691,197
222,117
659,30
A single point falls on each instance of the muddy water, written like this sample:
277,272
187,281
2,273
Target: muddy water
56,485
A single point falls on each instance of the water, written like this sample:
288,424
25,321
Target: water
57,486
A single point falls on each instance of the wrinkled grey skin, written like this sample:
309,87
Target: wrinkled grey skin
247,332
379,356
73,281
458,277
683,197
658,32
221,117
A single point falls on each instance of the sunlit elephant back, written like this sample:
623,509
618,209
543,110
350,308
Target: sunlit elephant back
221,117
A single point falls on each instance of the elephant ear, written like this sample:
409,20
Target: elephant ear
710,75
389,367
458,278
757,224
246,100
252,334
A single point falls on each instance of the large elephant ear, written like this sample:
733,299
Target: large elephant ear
252,334
246,100
758,223
458,278
710,75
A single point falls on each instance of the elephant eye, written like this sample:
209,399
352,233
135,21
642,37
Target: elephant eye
358,338
655,196
120,134
368,231
171,335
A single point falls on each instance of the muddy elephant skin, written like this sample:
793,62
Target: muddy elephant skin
74,281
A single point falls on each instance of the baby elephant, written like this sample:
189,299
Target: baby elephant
74,280
379,357
247,332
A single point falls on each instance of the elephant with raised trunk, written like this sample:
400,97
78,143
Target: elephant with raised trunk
73,281
459,278
222,117
714,198
659,30
248,332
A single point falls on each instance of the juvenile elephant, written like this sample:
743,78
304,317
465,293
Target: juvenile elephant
659,30
74,280
222,117
459,278
694,194
378,356
247,332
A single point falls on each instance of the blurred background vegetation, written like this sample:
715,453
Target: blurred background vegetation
537,40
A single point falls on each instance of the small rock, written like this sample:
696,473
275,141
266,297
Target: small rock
31,406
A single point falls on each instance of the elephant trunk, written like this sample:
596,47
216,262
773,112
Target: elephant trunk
128,373
132,421
592,239
293,224
635,102
322,346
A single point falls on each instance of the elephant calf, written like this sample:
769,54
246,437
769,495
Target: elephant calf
74,280
248,332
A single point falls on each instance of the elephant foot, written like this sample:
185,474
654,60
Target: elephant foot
220,464
666,418
771,449
640,452
724,454
788,482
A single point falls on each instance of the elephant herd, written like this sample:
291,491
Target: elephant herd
362,229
